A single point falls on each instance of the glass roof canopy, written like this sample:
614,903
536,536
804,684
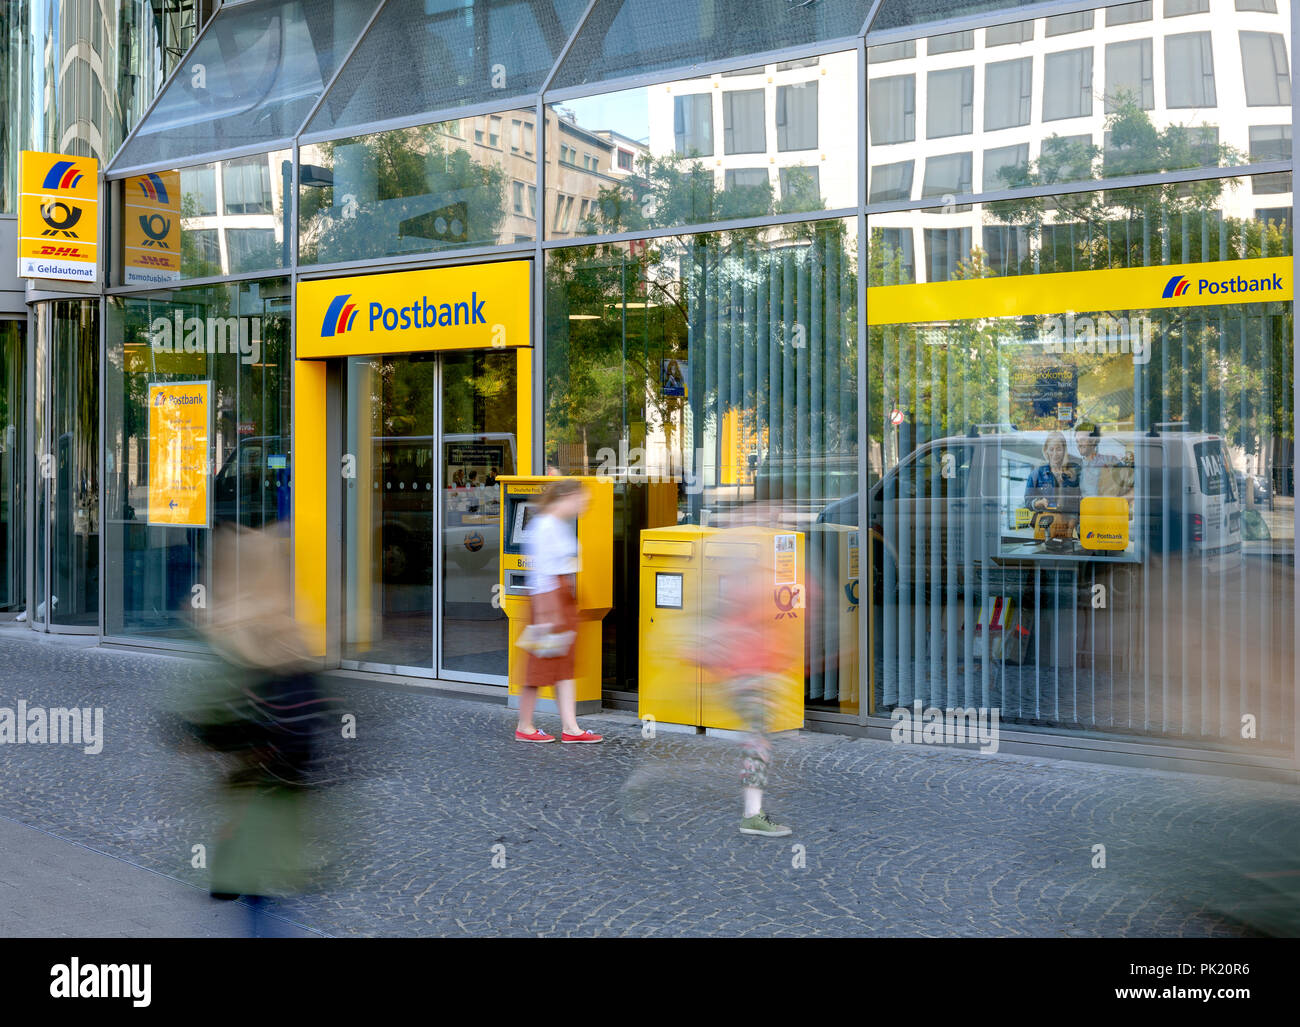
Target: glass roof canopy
265,72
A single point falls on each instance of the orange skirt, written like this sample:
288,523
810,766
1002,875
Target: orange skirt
545,671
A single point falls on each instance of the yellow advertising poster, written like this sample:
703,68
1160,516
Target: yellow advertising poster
178,454
151,228
58,216
475,306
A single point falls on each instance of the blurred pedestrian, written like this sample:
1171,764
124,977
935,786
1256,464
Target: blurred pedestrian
743,656
551,551
262,708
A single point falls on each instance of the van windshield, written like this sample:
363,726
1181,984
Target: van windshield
1213,469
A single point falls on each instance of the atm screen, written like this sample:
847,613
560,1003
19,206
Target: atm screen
519,516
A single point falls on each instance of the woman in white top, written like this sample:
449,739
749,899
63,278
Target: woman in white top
551,551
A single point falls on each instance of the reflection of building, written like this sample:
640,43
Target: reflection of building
975,111
234,212
785,126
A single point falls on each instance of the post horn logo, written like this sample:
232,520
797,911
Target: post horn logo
155,227
784,596
339,316
60,223
1175,287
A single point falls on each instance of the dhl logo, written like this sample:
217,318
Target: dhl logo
60,251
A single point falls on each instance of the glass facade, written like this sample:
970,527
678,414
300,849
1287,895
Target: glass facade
234,338
13,458
941,303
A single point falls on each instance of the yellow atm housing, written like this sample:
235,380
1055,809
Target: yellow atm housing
595,577
682,569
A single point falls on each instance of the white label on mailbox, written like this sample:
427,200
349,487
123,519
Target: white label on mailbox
668,591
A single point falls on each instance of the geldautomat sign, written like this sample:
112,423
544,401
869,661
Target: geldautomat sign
479,306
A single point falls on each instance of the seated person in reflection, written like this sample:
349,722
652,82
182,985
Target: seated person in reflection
1055,484
1102,474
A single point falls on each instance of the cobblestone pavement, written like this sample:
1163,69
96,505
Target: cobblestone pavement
639,837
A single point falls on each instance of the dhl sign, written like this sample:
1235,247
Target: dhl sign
58,216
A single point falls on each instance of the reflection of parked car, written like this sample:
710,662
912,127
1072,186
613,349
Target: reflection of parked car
958,502
252,486
1260,486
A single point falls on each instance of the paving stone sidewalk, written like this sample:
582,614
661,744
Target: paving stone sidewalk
633,837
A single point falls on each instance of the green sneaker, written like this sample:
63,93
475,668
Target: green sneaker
761,823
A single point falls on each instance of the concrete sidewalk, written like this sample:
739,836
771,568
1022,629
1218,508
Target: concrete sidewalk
52,888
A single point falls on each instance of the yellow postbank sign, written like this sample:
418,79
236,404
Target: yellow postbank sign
179,470
477,306
1214,283
151,228
58,216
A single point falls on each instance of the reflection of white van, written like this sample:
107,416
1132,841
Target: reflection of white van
961,500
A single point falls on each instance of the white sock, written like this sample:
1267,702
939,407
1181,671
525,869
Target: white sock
753,801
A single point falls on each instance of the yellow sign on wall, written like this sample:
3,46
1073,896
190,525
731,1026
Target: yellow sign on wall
58,216
151,228
475,306
1213,283
178,454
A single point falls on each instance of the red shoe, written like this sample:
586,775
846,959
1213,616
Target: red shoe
538,735
583,737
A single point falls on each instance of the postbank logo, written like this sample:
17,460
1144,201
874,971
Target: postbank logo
1176,286
480,306
58,221
64,175
339,316
154,188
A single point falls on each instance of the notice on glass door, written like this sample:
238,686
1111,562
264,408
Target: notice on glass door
179,418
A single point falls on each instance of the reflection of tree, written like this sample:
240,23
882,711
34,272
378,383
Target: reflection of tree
766,318
397,191
1219,369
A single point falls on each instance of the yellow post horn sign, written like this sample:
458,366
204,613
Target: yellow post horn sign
58,216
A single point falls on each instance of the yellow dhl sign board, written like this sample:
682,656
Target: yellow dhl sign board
1214,283
151,228
476,306
58,216
179,470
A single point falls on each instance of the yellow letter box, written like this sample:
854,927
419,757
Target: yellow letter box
694,583
594,579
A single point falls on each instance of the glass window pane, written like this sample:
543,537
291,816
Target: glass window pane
1002,433
179,224
1005,166
951,42
891,182
415,190
646,35
1008,93
950,102
695,147
744,124
1016,32
1067,85
1189,70
950,173
1270,142
891,52
1178,8
1127,14
1268,75
900,13
796,116
253,78
429,55
1129,74
892,103
1064,24
691,336
693,124
150,568
1267,6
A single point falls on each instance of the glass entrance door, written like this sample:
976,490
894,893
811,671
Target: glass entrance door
424,438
